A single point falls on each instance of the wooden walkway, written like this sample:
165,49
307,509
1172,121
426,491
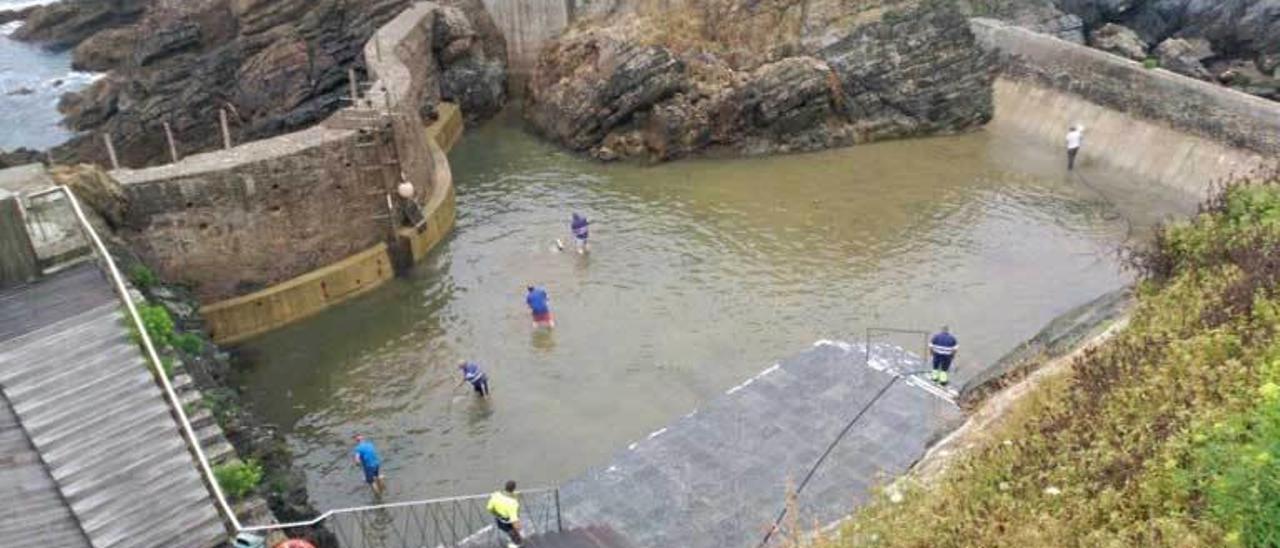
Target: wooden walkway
87,403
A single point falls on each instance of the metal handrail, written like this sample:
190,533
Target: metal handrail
152,356
351,510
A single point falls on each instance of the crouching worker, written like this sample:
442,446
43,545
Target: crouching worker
473,374
506,513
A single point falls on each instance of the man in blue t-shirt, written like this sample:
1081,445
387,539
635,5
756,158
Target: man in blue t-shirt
537,300
473,374
943,348
367,457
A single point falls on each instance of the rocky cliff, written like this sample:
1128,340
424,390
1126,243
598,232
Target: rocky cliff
660,81
1233,42
275,65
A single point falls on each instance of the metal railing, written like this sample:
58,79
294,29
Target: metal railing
153,358
451,521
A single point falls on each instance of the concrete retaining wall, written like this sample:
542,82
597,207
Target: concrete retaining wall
527,24
272,231
1159,125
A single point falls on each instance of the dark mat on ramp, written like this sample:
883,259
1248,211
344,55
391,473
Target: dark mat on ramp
718,477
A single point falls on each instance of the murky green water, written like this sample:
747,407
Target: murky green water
703,273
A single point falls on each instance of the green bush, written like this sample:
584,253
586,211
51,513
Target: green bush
158,323
1151,63
238,478
189,343
142,277
166,365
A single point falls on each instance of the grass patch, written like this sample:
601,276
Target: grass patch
142,277
1166,435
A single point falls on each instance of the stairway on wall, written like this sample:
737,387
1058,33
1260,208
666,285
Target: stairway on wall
86,399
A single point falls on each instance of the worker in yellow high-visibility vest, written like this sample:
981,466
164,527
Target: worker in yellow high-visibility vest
506,513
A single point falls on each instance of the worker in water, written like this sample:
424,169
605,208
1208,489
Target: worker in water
537,299
580,232
473,374
506,513
942,347
367,457
1074,138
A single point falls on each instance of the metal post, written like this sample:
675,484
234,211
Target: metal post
226,131
111,151
559,524
173,147
355,88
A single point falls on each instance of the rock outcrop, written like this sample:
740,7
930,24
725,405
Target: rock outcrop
1120,40
1185,56
274,65
1236,31
753,78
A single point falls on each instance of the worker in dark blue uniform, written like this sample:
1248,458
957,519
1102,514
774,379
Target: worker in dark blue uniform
942,347
473,374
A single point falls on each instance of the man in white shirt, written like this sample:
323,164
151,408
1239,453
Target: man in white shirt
1074,138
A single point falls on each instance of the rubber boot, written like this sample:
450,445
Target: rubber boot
942,378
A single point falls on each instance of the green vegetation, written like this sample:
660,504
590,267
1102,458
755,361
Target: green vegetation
238,478
158,323
188,342
142,277
1151,63
1168,434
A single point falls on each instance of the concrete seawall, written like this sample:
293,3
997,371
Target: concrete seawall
272,231
1154,124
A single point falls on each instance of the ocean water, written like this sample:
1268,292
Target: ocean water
32,79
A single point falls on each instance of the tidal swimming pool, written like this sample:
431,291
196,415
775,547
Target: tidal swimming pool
702,273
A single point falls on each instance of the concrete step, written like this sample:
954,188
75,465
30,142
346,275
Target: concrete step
75,329
71,373
69,398
119,415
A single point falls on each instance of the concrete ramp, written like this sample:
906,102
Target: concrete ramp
828,420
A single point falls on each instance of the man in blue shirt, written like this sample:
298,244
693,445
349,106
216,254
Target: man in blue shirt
579,225
367,457
943,348
537,300
473,374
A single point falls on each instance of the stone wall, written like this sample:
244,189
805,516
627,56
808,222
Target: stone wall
233,222
275,230
1185,104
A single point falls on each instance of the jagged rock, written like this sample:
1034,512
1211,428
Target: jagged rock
1119,40
9,16
478,86
97,189
276,65
20,157
105,50
1185,56
589,83
621,87
64,24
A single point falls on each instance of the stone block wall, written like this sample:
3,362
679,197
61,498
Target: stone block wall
237,221
1200,108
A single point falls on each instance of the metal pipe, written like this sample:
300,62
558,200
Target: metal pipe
174,402
226,131
173,147
111,151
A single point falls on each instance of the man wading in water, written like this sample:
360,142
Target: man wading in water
473,374
367,457
537,299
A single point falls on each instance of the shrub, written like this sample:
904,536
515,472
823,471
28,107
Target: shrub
1150,63
142,277
238,478
166,365
158,323
189,343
